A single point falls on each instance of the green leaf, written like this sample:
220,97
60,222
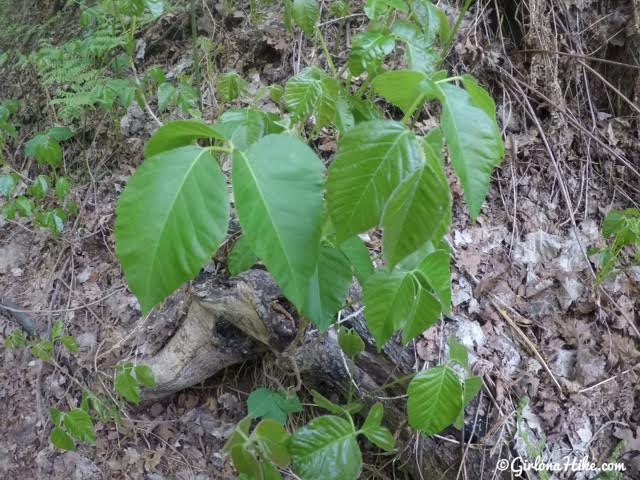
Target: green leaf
57,330
425,314
61,440
458,353
8,184
312,92
372,159
24,206
358,254
436,270
244,127
435,399
375,432
406,89
231,86
69,343
170,220
127,386
306,14
376,8
433,20
40,187
277,182
421,55
326,448
473,138
180,133
415,213
245,462
239,435
56,416
350,342
63,187
345,120
241,257
145,376
167,96
329,287
78,425
264,403
45,149
368,51
472,387
60,134
389,299
42,350
273,439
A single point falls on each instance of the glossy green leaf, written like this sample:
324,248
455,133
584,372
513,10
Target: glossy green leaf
278,182
170,220
326,448
63,187
376,8
306,14
368,51
433,20
244,127
79,425
358,254
424,314
127,386
60,439
24,206
458,353
345,120
375,432
145,376
389,300
371,161
273,440
421,55
57,330
350,342
406,89
245,462
264,403
180,133
472,387
415,212
312,92
239,435
231,86
473,138
329,287
435,399
435,268
241,257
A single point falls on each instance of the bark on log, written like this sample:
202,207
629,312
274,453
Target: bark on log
231,322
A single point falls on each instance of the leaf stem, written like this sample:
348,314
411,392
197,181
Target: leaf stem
221,149
414,106
327,55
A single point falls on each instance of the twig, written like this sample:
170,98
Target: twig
15,309
609,379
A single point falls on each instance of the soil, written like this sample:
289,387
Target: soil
560,358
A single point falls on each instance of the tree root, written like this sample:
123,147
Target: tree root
231,323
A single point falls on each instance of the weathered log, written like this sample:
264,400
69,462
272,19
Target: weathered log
229,322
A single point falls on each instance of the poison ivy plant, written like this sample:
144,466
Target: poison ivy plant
129,379
305,223
621,230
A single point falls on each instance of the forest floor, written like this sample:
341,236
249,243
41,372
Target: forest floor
559,357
